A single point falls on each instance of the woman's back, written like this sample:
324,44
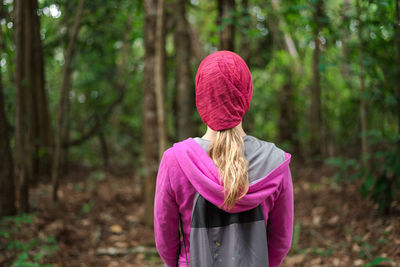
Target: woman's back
186,170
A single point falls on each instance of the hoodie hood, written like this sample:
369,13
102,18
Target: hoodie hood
268,166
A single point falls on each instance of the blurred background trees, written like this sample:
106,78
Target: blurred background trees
111,83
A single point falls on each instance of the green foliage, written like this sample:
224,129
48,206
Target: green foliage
100,51
28,251
97,78
347,168
377,261
98,175
296,236
322,252
380,181
87,207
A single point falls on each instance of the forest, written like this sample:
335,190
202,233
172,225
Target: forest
93,92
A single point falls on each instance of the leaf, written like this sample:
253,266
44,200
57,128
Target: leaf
376,261
116,228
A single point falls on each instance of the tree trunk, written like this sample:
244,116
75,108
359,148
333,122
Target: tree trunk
344,65
159,77
287,123
64,99
22,117
104,150
363,120
32,130
282,40
150,135
397,27
225,21
7,187
197,48
185,90
42,128
287,38
315,108
244,42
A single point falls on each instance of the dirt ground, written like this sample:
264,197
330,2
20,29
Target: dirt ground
97,223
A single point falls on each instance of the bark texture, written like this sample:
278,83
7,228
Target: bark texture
225,21
185,86
32,128
7,187
397,27
197,47
150,134
315,108
159,77
244,40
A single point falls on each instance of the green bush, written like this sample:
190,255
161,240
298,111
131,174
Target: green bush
380,180
28,251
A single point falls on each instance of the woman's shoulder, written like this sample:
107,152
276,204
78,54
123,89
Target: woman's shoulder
171,153
253,143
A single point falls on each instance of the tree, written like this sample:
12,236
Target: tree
245,44
185,90
149,133
64,99
226,24
315,108
363,119
287,122
397,27
159,76
32,130
7,188
29,71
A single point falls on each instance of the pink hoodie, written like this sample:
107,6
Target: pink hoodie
186,169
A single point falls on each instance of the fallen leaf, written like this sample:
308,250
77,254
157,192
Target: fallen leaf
116,228
356,248
295,260
333,220
336,262
358,262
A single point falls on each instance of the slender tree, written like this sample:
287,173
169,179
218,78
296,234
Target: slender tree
23,104
363,119
196,45
7,187
159,76
244,40
185,90
345,34
315,108
64,98
282,40
150,134
225,21
397,27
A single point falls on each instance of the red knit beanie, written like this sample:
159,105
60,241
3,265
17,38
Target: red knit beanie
223,90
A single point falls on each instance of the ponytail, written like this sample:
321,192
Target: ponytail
227,152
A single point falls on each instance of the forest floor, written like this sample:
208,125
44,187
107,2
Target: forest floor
97,223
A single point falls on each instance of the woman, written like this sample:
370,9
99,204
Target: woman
229,194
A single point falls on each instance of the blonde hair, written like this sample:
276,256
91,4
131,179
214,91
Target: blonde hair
227,152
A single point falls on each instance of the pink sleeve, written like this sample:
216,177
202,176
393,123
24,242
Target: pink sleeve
280,228
166,214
